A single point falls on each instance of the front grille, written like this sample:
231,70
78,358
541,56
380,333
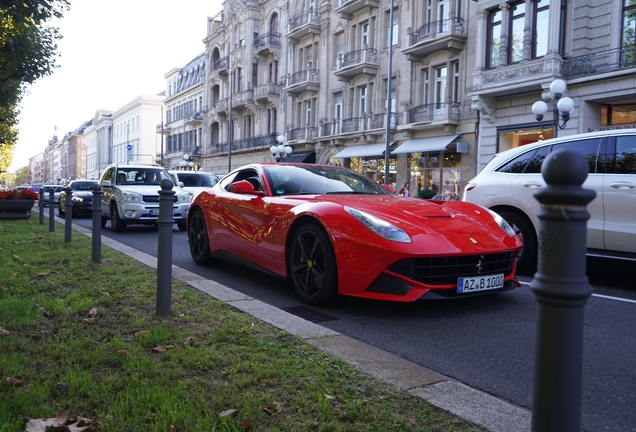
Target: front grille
155,198
446,270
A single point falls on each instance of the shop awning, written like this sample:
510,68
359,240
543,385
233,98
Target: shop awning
363,150
303,157
426,145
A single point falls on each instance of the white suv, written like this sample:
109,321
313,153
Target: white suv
507,183
131,196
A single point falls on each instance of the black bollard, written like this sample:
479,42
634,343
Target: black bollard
561,289
164,251
41,205
51,211
97,224
68,208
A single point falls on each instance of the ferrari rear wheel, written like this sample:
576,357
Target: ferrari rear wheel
198,239
312,265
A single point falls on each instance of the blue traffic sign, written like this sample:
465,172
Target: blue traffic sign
129,147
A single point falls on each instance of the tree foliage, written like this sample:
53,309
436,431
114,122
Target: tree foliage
28,52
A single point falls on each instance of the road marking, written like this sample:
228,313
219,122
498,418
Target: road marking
597,295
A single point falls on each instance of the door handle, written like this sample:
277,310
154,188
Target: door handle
532,185
623,185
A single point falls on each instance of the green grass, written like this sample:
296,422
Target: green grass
218,358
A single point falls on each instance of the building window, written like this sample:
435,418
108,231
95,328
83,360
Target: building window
541,28
494,38
517,21
440,87
455,90
618,115
629,32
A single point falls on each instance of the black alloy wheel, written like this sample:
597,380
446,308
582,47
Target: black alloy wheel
198,239
312,265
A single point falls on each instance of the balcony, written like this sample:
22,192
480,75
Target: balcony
246,144
304,80
600,62
303,134
193,117
222,106
422,116
303,24
267,44
370,124
242,99
268,92
448,34
221,65
354,63
348,7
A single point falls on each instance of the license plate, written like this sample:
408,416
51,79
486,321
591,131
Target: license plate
480,283
154,212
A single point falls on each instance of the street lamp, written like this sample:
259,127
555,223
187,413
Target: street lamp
184,163
280,151
561,105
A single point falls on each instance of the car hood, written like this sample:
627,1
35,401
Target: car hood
148,189
82,194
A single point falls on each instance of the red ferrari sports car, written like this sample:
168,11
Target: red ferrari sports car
331,231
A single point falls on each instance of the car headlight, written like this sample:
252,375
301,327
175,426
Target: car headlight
502,223
379,226
78,199
131,197
184,197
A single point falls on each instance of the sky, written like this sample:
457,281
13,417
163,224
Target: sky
111,52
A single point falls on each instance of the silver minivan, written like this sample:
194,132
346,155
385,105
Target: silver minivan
507,183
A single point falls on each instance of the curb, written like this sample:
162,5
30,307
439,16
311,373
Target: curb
483,409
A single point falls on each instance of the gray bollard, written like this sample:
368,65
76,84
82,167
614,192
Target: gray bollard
561,289
51,211
164,251
41,206
68,209
97,224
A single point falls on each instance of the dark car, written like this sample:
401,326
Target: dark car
82,198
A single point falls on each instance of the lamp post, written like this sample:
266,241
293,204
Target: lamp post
184,163
280,151
561,105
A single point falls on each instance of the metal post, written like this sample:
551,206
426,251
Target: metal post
97,224
41,206
164,250
51,211
68,209
561,289
230,125
387,153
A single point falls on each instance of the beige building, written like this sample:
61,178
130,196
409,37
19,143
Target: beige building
318,74
521,47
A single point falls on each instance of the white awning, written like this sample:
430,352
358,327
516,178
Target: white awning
362,150
425,145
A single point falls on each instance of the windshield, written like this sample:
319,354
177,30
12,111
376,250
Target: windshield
85,186
194,179
141,176
317,179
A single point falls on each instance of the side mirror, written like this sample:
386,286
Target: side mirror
180,184
245,188
107,183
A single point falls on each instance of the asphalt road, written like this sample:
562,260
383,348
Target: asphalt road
487,342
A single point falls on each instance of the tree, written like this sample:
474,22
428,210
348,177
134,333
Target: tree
28,52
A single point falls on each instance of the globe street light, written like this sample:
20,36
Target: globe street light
561,105
280,151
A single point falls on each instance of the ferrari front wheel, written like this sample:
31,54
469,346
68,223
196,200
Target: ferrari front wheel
312,265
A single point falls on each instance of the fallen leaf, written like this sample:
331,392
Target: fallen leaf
3,331
15,257
246,424
92,312
40,425
229,413
90,321
124,352
13,381
41,309
272,408
188,341
105,293
328,396
44,274
161,348
143,332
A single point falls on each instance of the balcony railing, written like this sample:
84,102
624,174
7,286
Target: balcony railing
604,61
267,89
312,75
359,56
272,39
378,121
439,28
353,124
367,122
303,133
260,141
222,63
303,18
434,111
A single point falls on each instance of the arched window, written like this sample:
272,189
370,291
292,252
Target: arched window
273,24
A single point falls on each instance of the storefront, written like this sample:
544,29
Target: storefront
368,159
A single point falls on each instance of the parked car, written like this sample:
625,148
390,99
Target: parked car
46,190
507,183
194,181
332,231
82,198
130,195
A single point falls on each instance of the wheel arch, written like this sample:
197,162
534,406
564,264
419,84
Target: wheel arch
518,212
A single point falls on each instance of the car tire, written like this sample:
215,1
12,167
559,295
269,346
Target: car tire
527,259
181,226
198,239
116,223
312,267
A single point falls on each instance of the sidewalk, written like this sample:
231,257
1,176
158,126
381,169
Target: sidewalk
473,405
